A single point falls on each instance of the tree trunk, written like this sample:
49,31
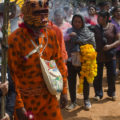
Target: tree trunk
4,51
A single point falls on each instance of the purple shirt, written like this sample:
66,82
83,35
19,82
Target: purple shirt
117,29
116,25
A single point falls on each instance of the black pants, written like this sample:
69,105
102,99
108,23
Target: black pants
72,74
111,76
118,57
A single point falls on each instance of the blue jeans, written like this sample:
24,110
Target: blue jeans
111,76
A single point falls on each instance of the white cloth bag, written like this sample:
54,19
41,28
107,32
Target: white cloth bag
52,76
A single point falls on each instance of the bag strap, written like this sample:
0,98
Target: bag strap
37,47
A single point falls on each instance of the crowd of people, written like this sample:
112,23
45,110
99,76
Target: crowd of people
61,31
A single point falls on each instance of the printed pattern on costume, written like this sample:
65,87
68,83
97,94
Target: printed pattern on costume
27,74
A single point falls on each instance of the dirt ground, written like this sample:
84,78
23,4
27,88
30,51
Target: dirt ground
102,110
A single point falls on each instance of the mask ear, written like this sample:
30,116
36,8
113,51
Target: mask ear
40,3
46,4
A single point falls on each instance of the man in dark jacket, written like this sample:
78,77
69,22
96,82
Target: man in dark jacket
8,89
107,39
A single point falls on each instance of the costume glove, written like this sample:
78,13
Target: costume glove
63,100
21,114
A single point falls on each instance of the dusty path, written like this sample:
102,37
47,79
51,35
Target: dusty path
102,110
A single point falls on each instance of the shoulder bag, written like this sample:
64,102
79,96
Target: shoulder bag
51,74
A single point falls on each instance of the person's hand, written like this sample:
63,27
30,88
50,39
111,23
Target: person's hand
6,117
72,34
107,47
21,114
63,100
4,87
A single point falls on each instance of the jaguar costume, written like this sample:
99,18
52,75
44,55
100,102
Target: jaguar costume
32,94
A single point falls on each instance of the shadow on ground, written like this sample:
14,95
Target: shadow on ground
80,118
71,115
110,118
105,100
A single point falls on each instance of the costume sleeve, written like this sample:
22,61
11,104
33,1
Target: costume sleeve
11,97
60,63
64,52
14,65
62,44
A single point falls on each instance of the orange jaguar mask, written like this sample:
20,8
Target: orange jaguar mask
35,12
